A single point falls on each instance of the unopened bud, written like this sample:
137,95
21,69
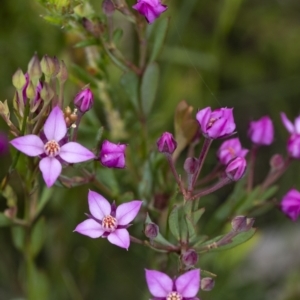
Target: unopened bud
30,91
47,93
84,100
166,143
151,230
19,79
62,75
276,162
48,66
34,68
236,168
242,223
207,284
191,165
108,7
189,258
3,144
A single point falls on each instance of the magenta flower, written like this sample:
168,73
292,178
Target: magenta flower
112,155
3,143
261,132
108,221
84,100
150,9
184,287
231,149
53,149
293,144
290,204
166,143
236,168
216,124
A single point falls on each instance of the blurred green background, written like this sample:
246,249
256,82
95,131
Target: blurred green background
234,53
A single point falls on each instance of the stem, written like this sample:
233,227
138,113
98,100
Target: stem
212,189
253,155
75,131
212,175
61,95
175,174
202,156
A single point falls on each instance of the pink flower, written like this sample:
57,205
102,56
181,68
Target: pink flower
231,149
112,155
150,9
162,287
53,150
290,204
293,144
108,221
236,168
261,132
166,143
216,124
3,143
84,100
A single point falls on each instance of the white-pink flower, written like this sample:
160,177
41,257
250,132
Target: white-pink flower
53,149
108,221
184,287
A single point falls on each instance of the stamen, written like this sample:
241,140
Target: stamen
52,148
109,223
174,296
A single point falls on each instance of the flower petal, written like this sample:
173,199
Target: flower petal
126,212
287,123
98,205
159,284
120,238
51,169
74,153
90,228
29,144
188,284
55,126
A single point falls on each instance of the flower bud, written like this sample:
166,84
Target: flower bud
236,168
242,223
48,66
290,204
261,132
191,165
84,100
108,7
34,68
19,80
293,146
230,149
216,124
151,230
207,284
276,162
62,75
46,92
112,155
166,143
189,258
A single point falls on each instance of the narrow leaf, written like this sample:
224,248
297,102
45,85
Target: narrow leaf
174,223
130,83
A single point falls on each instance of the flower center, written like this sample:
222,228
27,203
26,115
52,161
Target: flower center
231,151
174,296
52,148
211,122
109,223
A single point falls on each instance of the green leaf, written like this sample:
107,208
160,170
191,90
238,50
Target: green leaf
4,220
83,75
159,33
198,214
18,237
248,202
44,198
192,234
54,20
117,35
174,222
130,83
38,236
149,87
85,43
268,193
200,240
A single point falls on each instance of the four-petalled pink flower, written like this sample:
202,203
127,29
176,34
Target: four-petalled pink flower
53,149
184,287
108,221
150,9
